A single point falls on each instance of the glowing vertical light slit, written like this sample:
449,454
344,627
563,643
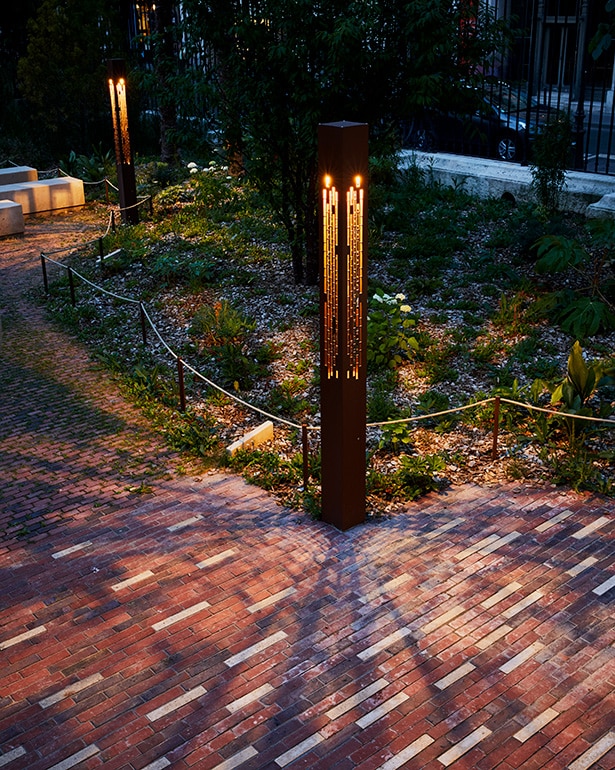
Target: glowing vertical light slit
121,93
116,127
354,280
330,279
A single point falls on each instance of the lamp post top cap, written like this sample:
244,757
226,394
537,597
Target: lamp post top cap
343,124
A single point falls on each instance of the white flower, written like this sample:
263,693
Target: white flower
378,298
400,297
405,308
194,170
192,165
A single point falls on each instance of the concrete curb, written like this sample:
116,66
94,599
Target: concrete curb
589,194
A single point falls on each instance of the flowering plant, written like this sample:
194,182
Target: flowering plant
389,340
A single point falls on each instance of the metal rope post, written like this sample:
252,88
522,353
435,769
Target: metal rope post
143,324
71,283
180,379
44,266
306,449
496,427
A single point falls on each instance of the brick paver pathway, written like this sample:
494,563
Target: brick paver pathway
203,626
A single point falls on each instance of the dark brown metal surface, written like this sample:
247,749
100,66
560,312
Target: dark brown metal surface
343,169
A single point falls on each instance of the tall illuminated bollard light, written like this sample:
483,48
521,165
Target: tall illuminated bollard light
123,155
343,157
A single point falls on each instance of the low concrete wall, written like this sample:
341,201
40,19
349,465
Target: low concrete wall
16,174
46,195
491,178
11,218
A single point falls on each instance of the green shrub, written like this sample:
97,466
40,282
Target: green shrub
220,324
389,321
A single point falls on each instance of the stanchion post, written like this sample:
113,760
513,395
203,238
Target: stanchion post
44,266
71,283
107,189
496,428
143,323
306,449
113,221
182,389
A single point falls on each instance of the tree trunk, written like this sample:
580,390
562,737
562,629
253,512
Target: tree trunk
312,242
164,65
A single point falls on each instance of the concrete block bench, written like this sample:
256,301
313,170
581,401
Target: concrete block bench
15,174
45,195
11,218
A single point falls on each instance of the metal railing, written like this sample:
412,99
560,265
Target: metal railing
548,71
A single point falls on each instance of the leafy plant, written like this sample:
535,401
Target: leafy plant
415,476
513,314
580,384
185,267
90,168
418,474
381,405
389,341
433,401
287,397
396,436
265,469
238,370
220,324
584,311
192,433
549,162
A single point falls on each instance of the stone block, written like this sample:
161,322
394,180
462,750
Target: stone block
45,195
602,209
259,435
11,218
17,174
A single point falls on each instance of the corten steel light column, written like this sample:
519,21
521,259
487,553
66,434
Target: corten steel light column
123,156
343,155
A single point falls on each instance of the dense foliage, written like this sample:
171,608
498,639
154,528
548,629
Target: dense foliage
464,306
252,80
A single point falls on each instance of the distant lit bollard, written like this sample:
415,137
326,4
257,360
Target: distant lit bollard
123,156
343,159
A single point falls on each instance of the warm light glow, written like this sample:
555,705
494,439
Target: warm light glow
357,181
354,278
328,181
330,278
119,111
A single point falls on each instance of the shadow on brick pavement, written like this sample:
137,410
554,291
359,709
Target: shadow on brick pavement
205,626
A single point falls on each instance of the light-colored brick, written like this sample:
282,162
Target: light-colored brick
176,703
536,725
254,649
521,657
461,748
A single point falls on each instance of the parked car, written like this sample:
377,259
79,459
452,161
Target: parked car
494,123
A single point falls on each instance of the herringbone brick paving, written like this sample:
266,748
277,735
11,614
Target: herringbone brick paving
204,626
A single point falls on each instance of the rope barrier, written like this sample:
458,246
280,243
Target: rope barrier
303,428
555,413
290,423
214,385
430,416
